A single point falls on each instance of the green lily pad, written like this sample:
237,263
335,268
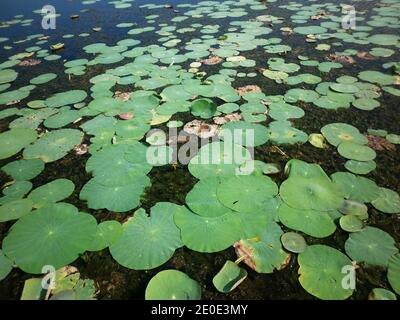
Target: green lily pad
293,242
351,223
120,198
203,108
24,169
354,151
360,167
393,272
355,187
51,192
336,133
317,140
229,277
7,75
317,224
246,193
381,294
172,285
54,145
321,272
15,209
318,194
108,232
208,234
5,266
12,141
202,199
372,246
388,201
66,98
244,133
355,208
153,239
59,228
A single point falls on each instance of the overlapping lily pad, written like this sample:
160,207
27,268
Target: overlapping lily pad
148,241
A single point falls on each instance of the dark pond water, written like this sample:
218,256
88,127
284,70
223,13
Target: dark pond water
172,184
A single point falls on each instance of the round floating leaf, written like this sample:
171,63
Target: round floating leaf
202,199
107,233
51,192
172,285
317,224
120,198
360,167
7,75
54,235
54,145
355,151
372,246
393,272
12,141
246,193
381,294
388,201
264,253
321,272
153,239
15,209
5,265
208,234
336,133
24,169
229,277
293,242
351,223
203,108
43,78
355,208
356,188
244,133
66,98
317,140
317,194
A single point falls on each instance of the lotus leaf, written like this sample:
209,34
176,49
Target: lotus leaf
321,272
381,294
15,209
360,167
153,239
108,232
246,193
388,201
317,224
318,194
355,187
372,246
351,223
354,151
66,98
172,285
5,266
121,198
243,133
54,145
229,277
208,234
203,108
202,199
24,169
393,272
336,133
293,242
12,141
59,229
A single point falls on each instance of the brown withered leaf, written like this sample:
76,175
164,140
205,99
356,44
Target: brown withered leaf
246,89
212,60
379,143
